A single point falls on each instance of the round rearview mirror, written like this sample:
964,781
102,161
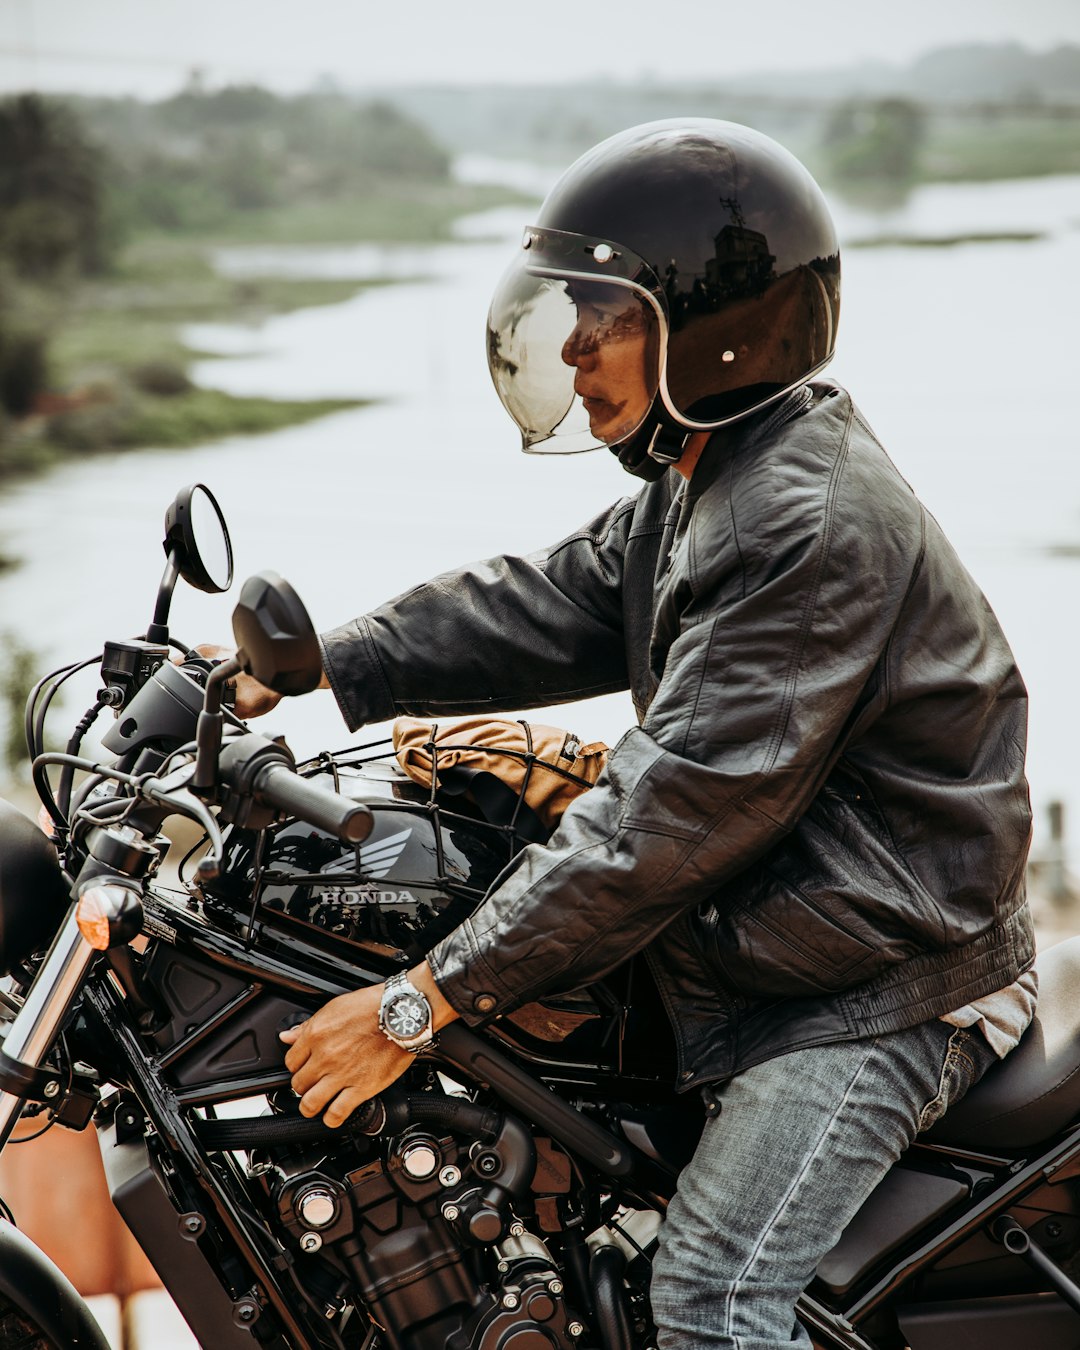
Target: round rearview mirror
197,540
275,640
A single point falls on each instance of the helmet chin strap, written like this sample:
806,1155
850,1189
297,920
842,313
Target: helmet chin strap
657,444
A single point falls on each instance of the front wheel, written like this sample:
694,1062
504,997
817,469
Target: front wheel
40,1309
18,1331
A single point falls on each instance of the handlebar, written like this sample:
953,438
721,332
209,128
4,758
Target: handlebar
258,773
278,785
259,770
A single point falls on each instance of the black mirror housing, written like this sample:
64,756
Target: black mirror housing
275,639
198,548
197,540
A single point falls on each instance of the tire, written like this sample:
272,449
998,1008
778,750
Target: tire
19,1332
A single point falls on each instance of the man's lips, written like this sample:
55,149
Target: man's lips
596,406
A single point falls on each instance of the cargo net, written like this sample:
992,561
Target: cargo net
484,802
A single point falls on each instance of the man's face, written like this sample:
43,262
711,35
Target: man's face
609,348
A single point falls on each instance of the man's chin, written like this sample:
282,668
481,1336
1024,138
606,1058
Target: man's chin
611,431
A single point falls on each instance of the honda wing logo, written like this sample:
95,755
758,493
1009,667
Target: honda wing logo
378,858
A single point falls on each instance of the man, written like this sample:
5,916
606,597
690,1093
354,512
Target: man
818,831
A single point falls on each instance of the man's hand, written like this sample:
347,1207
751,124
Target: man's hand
339,1058
252,698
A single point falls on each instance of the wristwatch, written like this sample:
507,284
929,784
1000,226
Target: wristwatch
405,1015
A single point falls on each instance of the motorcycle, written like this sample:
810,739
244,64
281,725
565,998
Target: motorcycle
507,1193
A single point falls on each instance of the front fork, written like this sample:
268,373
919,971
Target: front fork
39,1021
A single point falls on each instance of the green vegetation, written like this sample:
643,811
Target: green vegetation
109,211
135,418
52,214
409,213
17,675
988,111
946,240
116,374
196,162
1003,146
880,141
132,317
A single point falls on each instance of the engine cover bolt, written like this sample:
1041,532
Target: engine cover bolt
450,1213
317,1208
450,1176
419,1161
52,1087
555,1287
310,1242
575,1329
510,1301
517,1229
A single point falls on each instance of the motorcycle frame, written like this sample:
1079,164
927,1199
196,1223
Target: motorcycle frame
311,976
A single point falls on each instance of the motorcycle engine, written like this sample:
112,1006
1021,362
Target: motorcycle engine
424,1233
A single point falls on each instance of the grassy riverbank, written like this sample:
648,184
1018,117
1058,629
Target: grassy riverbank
118,365
117,361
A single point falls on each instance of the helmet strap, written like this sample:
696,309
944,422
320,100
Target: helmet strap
667,444
657,444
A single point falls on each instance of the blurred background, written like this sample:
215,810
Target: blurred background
252,244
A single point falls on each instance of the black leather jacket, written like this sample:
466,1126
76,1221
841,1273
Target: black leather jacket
819,828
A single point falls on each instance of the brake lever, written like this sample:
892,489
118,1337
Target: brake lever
171,791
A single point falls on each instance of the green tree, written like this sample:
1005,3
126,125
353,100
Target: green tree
52,216
17,675
872,142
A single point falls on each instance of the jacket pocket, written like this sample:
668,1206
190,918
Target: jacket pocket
787,946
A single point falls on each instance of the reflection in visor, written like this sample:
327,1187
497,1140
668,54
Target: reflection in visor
575,362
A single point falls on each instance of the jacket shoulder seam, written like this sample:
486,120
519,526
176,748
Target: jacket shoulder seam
590,535
700,686
810,604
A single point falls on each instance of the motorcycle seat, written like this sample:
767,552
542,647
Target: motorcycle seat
1035,1091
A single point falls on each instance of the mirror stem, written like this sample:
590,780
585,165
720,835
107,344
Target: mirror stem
209,729
159,629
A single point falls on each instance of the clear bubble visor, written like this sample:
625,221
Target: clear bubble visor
575,358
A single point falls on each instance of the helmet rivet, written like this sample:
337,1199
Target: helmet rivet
603,253
728,356
527,239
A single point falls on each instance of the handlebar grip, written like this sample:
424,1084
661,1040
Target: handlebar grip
278,785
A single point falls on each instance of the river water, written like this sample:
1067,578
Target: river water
962,357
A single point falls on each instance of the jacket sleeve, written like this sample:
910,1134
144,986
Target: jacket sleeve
781,629
508,633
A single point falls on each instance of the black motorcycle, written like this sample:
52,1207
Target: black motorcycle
506,1195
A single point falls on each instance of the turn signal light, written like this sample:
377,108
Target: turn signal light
109,916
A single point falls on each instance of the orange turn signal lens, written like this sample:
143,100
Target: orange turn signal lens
108,916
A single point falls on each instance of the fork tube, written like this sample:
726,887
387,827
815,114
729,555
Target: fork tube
38,1022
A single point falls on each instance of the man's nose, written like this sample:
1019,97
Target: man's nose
579,346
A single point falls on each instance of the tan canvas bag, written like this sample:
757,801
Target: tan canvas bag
549,767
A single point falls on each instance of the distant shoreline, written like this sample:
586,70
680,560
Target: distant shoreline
120,367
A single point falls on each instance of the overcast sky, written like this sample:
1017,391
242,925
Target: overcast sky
149,46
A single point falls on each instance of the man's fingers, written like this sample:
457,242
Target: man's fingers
342,1107
305,1078
298,1055
316,1097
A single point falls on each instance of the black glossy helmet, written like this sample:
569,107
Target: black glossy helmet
680,275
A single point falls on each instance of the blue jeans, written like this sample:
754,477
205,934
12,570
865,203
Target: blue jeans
794,1149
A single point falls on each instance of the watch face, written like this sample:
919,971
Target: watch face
406,1016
